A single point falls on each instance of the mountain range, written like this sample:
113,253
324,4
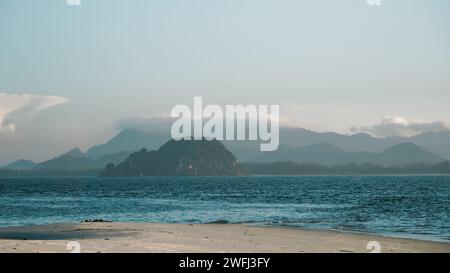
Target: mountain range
115,150
296,144
21,164
435,142
328,154
75,160
127,141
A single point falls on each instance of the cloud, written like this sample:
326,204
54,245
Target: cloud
400,126
12,106
162,124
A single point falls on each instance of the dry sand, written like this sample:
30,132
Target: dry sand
149,237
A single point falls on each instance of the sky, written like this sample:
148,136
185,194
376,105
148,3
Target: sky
70,75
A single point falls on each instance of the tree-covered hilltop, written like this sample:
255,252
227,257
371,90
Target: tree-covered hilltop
178,158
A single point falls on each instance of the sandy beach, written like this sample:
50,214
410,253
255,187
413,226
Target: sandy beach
151,237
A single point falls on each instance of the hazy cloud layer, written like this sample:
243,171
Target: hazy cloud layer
400,126
15,106
162,124
151,124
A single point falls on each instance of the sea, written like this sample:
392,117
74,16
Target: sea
415,207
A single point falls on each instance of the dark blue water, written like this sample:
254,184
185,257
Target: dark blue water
400,206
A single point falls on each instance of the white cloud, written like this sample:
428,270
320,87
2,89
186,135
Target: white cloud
12,105
400,126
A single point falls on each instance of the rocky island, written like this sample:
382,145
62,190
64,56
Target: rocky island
179,158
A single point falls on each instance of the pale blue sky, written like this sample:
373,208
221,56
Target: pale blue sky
329,64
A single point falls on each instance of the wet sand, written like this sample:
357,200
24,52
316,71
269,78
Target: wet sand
152,237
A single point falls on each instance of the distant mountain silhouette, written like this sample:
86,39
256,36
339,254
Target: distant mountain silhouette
178,158
328,154
115,150
406,153
296,144
75,160
128,140
22,164
435,142
75,153
115,158
298,137
67,162
131,140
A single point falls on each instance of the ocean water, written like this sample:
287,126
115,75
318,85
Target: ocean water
398,206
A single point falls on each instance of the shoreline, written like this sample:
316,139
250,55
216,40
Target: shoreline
29,227
153,237
350,232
